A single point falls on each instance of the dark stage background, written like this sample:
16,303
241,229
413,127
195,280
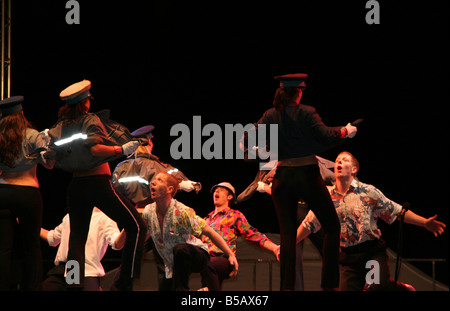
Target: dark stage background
163,62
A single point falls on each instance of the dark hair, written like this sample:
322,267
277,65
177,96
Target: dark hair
283,95
70,113
12,129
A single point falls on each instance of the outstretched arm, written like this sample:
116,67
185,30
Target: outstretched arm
431,224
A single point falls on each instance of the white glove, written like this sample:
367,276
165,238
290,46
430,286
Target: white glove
351,130
43,159
260,187
187,185
47,137
130,147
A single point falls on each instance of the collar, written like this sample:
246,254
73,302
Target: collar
146,155
223,212
354,185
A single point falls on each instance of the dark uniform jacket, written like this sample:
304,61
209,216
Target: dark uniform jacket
145,166
303,133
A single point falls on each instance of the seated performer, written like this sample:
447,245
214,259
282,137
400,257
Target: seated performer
132,177
176,231
102,231
358,207
229,223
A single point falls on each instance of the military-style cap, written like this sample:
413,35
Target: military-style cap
292,80
228,186
11,105
76,92
145,130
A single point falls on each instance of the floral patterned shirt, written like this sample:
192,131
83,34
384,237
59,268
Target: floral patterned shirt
181,226
231,223
358,212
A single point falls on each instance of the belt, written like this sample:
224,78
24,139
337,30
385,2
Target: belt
362,247
300,161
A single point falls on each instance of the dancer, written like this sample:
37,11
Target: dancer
102,232
358,207
230,224
84,135
176,231
263,183
19,193
132,177
302,134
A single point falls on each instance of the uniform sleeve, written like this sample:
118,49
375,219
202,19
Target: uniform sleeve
33,141
95,131
324,134
249,232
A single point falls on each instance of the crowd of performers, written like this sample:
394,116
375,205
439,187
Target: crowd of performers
135,203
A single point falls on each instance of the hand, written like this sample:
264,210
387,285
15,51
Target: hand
46,136
434,226
187,185
351,130
130,147
276,251
261,187
233,261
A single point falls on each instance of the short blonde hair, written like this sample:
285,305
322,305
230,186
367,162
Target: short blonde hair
172,181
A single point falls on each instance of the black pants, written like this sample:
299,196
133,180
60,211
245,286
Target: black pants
289,185
217,270
188,259
353,261
25,204
55,280
83,194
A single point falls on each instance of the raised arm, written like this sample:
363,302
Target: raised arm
431,224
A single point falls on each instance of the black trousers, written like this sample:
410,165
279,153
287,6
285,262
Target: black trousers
304,182
55,280
25,204
217,270
188,259
83,194
353,262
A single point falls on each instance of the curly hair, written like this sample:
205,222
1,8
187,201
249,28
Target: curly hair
12,129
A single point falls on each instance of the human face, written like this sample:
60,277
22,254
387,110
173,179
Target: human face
159,188
343,166
221,196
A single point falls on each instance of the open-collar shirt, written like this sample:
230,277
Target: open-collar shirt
358,212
